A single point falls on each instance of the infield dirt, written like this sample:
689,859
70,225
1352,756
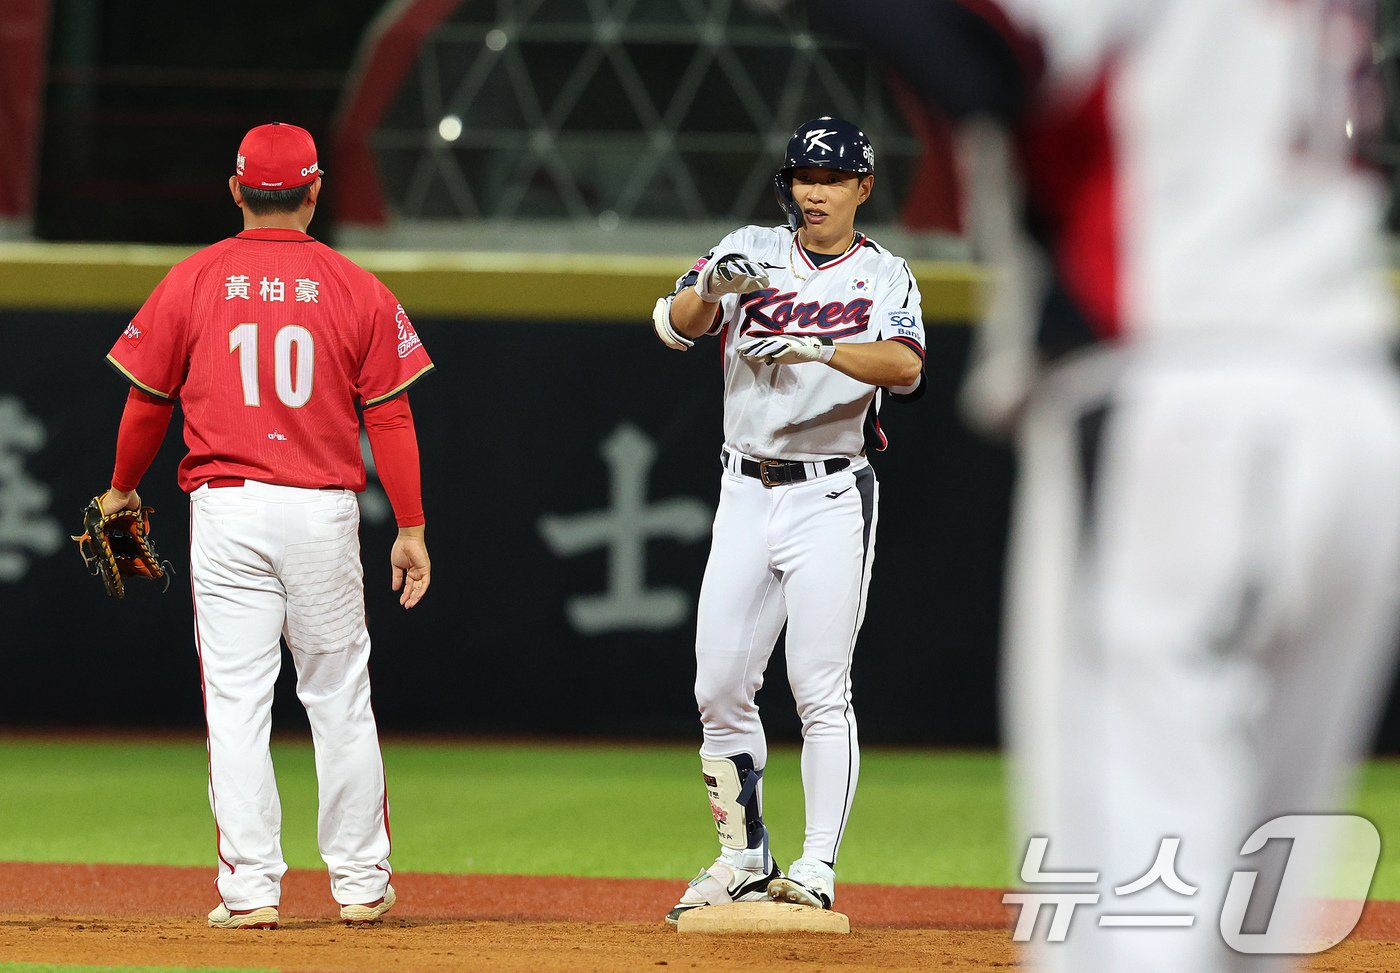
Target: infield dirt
145,916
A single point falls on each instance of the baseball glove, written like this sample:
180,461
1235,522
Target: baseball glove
118,546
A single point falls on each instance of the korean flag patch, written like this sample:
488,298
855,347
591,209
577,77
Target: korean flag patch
860,285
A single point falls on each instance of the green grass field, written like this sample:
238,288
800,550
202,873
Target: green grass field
920,818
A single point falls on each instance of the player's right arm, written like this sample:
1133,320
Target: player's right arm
152,355
690,315
696,307
152,352
142,429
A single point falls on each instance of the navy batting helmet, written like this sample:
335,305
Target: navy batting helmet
822,143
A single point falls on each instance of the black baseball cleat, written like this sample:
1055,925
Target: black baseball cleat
722,883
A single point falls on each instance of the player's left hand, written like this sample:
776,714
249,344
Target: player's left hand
787,349
412,568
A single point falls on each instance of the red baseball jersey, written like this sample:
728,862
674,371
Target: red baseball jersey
270,340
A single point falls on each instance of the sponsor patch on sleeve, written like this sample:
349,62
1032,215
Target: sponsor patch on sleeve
408,338
133,334
901,323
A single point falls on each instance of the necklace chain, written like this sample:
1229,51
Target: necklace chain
792,260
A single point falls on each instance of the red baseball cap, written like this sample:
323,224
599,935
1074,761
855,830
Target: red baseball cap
277,156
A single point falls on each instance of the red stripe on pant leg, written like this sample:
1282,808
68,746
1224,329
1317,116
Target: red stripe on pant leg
384,778
387,832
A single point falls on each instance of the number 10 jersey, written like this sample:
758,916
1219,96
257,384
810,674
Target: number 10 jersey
270,340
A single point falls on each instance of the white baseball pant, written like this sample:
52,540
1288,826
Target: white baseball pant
799,554
1203,606
271,562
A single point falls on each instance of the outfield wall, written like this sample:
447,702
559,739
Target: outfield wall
556,607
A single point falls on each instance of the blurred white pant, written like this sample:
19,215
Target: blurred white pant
1203,605
270,562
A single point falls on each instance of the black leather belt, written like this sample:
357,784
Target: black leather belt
776,472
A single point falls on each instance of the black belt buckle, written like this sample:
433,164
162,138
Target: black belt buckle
764,466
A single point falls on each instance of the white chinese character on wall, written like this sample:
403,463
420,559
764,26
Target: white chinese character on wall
624,529
26,529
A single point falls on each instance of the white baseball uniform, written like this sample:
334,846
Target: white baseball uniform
1206,546
1203,597
798,554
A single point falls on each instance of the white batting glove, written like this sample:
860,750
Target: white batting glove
786,349
732,273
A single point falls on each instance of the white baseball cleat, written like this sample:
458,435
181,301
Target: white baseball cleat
808,882
363,915
263,918
727,881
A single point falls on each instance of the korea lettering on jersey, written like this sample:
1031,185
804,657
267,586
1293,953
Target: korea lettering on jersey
810,411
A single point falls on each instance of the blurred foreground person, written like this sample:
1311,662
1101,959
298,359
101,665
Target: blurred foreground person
1191,339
